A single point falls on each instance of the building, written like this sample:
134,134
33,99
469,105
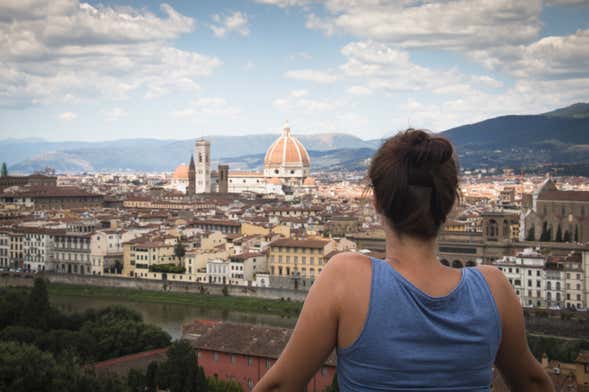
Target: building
244,352
286,170
50,197
191,190
106,251
297,263
38,243
5,249
202,151
32,180
246,266
557,215
71,253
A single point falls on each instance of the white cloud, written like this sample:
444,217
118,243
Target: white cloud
234,22
207,106
67,116
79,51
458,24
298,102
312,75
359,90
285,3
562,57
115,114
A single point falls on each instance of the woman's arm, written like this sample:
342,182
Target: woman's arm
313,339
519,368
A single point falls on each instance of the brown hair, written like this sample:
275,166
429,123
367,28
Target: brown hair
414,177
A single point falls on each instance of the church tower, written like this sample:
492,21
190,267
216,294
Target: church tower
191,189
203,166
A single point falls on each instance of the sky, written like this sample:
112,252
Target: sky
122,69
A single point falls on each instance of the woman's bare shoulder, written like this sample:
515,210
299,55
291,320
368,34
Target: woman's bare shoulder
349,262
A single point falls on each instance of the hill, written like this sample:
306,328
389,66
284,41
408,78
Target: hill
557,139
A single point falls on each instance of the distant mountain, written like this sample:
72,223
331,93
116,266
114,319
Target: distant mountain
559,138
148,154
525,142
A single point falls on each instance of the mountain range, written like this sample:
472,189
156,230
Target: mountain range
559,138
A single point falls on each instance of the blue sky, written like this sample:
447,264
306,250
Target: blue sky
126,69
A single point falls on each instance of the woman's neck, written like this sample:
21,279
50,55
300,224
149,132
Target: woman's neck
410,252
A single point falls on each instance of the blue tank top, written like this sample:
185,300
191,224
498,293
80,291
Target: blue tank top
413,341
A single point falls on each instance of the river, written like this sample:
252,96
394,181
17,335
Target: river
169,317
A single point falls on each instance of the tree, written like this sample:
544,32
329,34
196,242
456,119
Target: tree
24,367
558,237
179,250
151,377
531,234
181,368
136,380
36,310
4,170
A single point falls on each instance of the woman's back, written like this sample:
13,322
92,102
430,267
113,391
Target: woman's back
413,340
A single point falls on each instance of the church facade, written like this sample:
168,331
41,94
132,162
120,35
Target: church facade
287,169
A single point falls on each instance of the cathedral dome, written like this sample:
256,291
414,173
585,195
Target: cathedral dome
287,151
181,172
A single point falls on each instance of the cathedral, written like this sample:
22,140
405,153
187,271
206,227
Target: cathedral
287,169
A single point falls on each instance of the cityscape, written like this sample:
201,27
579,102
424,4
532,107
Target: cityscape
179,259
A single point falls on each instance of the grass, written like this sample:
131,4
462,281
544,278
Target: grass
242,304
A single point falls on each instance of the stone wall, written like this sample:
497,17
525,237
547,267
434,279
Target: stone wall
154,285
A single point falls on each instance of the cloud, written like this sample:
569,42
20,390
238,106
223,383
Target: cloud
359,90
286,3
207,106
311,75
67,116
79,51
115,114
298,102
234,22
554,57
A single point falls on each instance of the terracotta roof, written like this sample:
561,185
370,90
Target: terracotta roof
122,365
49,191
287,151
564,195
215,222
314,244
583,357
247,339
181,172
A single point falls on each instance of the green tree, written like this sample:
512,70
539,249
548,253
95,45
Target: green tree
179,250
181,368
216,385
4,170
531,234
151,377
558,237
36,310
25,368
136,380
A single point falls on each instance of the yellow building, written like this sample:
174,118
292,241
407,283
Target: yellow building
139,254
298,258
251,229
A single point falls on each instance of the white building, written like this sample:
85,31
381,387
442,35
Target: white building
4,250
202,153
218,271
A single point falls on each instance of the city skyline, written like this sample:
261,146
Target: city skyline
118,69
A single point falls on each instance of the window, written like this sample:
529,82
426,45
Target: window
529,272
267,364
323,371
232,358
250,361
215,357
250,383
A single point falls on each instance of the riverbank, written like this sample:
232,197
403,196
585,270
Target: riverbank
242,304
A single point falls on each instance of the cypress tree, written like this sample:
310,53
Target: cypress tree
4,170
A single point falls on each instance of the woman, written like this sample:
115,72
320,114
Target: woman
408,322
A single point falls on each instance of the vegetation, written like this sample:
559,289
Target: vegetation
561,349
4,170
179,250
242,304
167,268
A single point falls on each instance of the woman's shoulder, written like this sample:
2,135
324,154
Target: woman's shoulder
349,262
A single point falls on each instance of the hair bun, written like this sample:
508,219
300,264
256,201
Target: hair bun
427,149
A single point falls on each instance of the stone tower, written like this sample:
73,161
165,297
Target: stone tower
223,179
203,166
191,189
